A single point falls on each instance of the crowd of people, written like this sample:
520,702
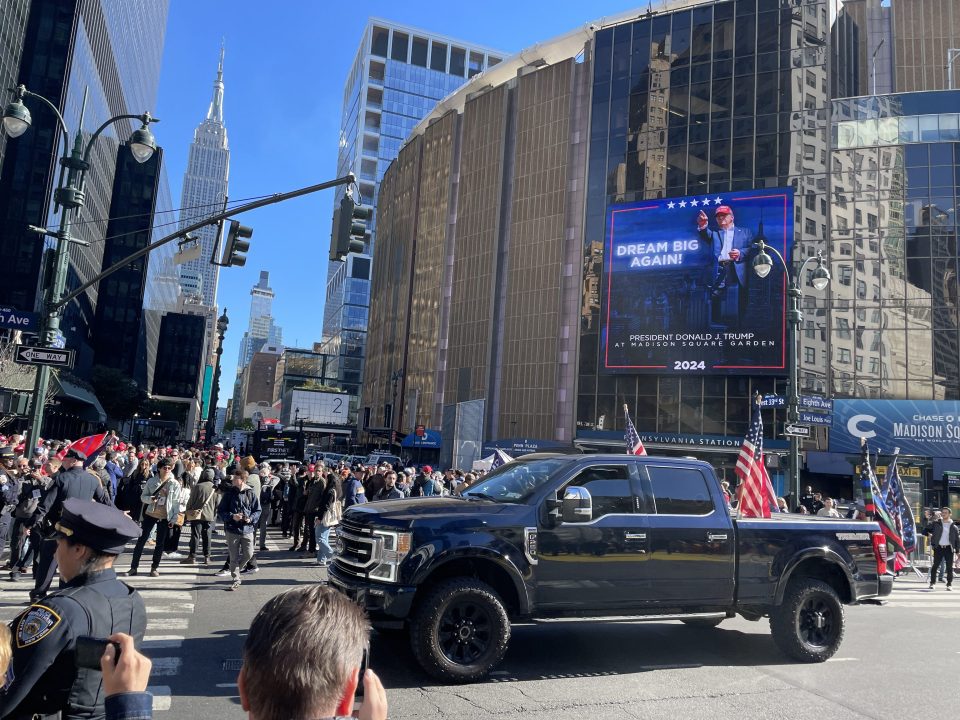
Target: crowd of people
180,497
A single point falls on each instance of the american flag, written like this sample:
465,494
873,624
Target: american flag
899,507
873,501
756,492
634,443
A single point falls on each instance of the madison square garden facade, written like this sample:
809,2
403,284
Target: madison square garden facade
549,246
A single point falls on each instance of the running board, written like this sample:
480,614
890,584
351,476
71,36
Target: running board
625,618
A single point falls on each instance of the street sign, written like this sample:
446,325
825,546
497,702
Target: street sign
812,418
814,402
27,355
797,430
14,319
773,401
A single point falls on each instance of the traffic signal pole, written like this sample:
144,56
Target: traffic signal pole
210,220
55,304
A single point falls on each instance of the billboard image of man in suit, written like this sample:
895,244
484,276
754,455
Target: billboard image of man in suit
730,246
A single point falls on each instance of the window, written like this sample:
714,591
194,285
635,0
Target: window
844,356
609,486
401,41
679,491
809,356
418,56
438,56
458,61
476,63
379,45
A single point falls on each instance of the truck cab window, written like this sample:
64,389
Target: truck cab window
679,491
609,486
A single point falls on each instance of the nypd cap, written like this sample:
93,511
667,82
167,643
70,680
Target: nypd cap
100,527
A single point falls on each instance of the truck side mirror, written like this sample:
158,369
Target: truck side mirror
577,505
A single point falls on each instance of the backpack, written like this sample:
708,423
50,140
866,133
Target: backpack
266,497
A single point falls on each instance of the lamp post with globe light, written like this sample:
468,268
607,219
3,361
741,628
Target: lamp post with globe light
70,198
762,265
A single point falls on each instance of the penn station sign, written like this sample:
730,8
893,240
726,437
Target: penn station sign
918,427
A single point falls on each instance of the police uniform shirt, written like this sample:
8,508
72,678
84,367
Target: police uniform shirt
45,679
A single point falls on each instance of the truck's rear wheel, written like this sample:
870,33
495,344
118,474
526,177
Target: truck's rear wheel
703,622
460,631
808,626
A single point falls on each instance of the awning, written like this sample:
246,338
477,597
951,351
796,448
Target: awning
81,395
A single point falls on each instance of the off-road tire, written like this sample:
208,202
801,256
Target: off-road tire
808,603
703,622
460,630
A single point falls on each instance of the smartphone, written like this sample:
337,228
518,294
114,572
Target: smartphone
89,651
364,663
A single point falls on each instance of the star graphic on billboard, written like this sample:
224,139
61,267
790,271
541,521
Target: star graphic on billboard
694,203
717,201
705,201
671,205
683,203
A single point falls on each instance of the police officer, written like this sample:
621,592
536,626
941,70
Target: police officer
46,681
9,490
71,482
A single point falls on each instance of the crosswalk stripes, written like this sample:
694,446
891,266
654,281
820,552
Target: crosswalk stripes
914,594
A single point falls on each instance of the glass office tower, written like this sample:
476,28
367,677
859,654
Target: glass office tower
398,76
108,51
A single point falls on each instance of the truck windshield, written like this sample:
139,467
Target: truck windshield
515,482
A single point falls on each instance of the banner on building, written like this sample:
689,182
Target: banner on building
928,428
680,295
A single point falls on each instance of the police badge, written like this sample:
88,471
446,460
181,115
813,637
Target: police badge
35,625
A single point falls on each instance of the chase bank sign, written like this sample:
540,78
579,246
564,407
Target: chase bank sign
917,427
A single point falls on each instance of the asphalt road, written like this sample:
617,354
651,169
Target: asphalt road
899,660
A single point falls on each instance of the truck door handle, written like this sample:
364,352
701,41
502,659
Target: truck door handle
711,537
635,536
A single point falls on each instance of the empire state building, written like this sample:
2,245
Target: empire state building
204,191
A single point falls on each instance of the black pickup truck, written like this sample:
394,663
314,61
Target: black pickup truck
573,536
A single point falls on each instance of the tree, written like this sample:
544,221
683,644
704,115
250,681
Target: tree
119,394
19,379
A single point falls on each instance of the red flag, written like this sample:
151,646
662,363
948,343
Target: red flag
90,446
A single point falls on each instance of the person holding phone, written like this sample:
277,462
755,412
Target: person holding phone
46,677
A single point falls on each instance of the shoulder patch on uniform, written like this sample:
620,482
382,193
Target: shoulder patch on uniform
38,622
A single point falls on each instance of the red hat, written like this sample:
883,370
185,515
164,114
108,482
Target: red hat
723,210
427,469
311,467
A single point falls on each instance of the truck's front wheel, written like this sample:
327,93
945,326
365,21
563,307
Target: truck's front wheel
808,626
460,630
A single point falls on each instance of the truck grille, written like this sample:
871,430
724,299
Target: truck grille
356,548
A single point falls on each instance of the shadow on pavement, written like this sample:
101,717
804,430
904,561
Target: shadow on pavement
571,650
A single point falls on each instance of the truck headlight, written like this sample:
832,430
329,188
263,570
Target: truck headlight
392,548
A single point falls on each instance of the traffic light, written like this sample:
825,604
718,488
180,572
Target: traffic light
237,245
349,231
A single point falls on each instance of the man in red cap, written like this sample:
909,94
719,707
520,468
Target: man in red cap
731,245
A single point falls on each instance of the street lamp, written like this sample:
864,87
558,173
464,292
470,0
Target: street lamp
70,197
222,322
762,265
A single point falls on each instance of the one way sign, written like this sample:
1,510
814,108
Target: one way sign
29,355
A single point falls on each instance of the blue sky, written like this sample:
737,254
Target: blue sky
284,76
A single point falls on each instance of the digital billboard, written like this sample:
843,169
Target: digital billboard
680,295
